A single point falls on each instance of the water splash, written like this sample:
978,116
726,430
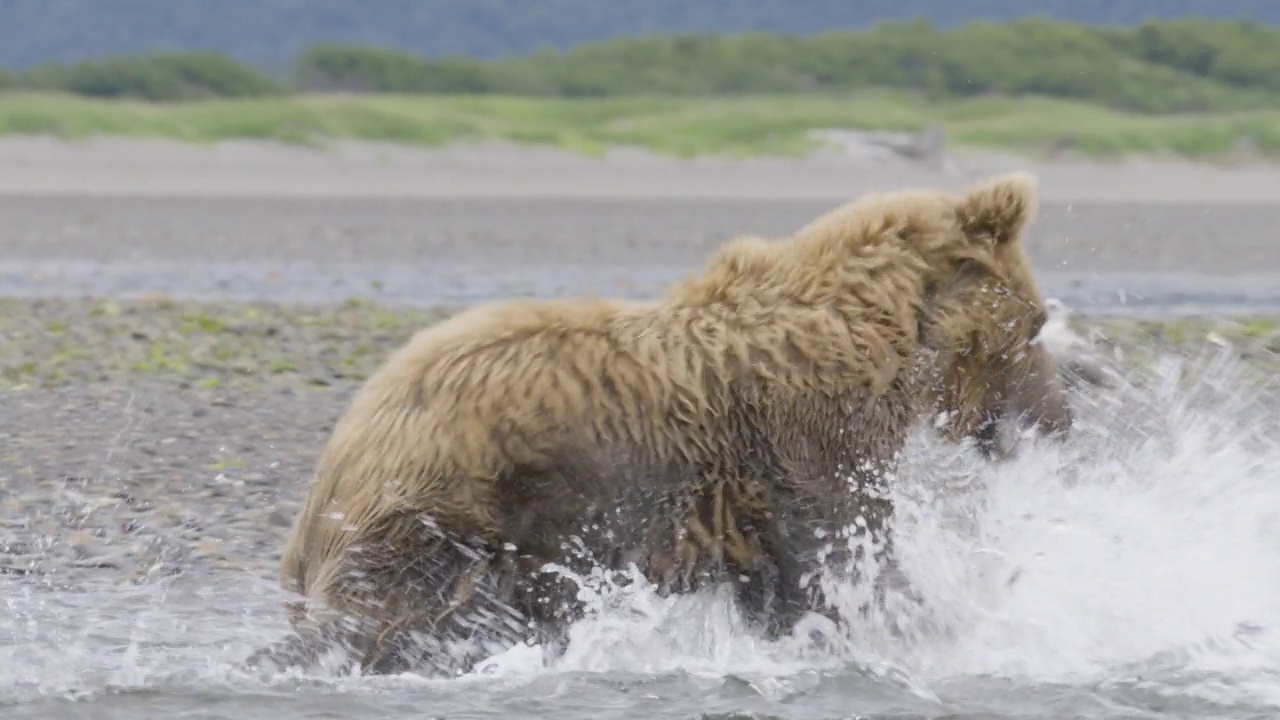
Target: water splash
1135,567
1145,551
1152,536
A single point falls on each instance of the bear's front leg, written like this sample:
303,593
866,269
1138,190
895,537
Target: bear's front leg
769,591
800,542
739,522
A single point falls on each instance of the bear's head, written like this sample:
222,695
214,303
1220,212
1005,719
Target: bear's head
985,316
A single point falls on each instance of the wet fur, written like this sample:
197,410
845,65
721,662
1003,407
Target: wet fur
705,436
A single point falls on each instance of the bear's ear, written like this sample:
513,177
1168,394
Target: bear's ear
999,209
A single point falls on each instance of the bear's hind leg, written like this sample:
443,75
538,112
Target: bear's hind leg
439,609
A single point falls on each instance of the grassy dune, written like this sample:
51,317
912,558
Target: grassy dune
684,127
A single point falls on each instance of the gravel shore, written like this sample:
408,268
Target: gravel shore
144,438
151,437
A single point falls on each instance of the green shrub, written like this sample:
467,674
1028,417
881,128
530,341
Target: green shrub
161,77
1186,65
357,69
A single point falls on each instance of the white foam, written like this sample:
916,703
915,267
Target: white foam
1147,547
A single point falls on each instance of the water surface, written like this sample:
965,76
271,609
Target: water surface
456,282
1133,573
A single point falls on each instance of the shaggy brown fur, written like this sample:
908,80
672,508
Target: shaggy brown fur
705,436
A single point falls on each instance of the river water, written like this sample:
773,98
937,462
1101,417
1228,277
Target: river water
457,282
1132,573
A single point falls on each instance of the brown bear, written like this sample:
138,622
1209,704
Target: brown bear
712,435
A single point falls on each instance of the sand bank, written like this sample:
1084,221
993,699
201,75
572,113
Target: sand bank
149,168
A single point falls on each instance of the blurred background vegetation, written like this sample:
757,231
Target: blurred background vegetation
1183,65
271,34
1186,85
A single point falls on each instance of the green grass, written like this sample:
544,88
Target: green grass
684,127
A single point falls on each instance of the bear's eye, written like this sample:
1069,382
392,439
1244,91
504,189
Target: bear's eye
970,270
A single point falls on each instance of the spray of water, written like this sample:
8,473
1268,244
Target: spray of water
1145,551
1141,558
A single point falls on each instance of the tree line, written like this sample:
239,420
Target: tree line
1155,67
